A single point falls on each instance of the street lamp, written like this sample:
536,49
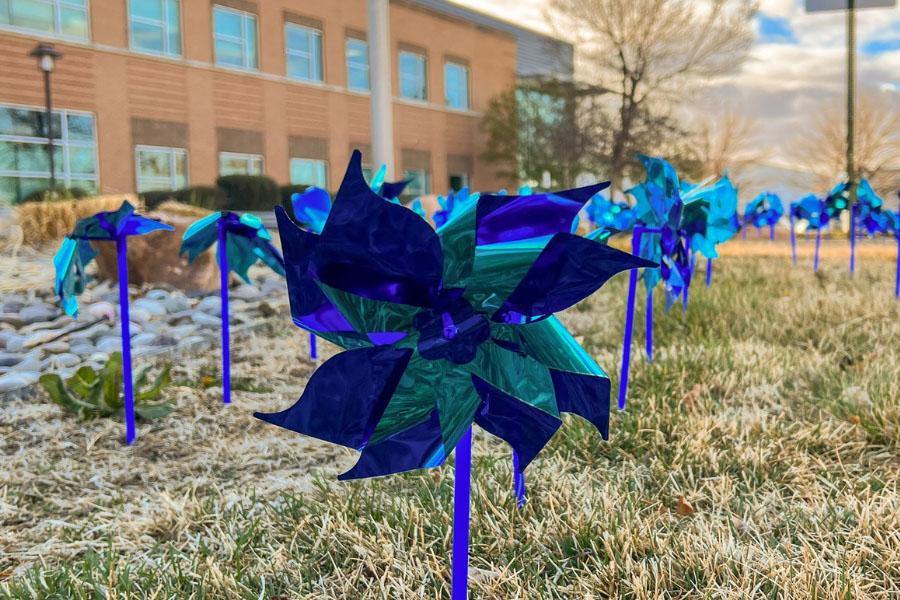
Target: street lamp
47,56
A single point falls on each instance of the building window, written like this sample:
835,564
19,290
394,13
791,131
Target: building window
458,181
155,26
456,85
24,164
234,33
308,171
233,163
357,65
160,168
419,182
304,53
66,18
413,85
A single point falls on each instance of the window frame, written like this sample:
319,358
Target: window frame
288,52
426,175
173,152
57,22
319,161
400,54
244,17
468,72
166,52
243,155
62,172
368,66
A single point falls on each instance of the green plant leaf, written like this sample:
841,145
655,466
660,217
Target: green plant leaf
111,376
83,382
53,385
153,411
162,380
141,378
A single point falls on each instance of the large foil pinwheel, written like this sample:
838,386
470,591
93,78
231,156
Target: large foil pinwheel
241,241
444,329
814,212
867,215
763,211
77,252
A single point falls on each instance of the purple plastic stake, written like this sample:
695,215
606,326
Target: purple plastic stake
461,493
629,322
897,276
818,243
793,241
518,481
709,269
313,353
648,326
852,239
125,325
745,230
771,232
223,293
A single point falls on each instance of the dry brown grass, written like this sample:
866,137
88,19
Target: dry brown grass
758,457
49,221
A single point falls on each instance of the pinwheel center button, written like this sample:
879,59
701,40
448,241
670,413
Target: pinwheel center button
451,330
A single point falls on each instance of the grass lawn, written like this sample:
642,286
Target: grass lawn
758,457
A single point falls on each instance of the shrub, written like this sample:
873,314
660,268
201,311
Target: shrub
210,198
90,393
51,220
154,198
249,192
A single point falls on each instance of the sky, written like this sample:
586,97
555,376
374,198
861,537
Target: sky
797,61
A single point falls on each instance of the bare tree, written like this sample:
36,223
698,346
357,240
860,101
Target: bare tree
726,141
651,54
821,149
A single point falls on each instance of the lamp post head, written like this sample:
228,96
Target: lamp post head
47,56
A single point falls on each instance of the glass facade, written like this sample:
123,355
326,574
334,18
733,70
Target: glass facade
304,53
419,182
456,85
308,171
65,18
24,161
232,163
413,81
160,168
155,26
234,34
357,65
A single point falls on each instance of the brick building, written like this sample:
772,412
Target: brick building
160,94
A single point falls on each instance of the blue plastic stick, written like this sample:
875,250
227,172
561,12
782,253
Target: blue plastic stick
709,269
793,242
629,321
771,232
223,293
852,239
897,276
648,326
125,325
518,480
461,493
313,352
816,257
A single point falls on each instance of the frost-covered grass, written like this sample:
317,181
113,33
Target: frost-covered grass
758,457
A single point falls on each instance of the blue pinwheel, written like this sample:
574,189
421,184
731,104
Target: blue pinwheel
444,329
814,212
867,215
77,252
763,211
710,218
241,241
389,190
665,225
608,215
454,203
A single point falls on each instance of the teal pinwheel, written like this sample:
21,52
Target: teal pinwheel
241,241
73,257
443,330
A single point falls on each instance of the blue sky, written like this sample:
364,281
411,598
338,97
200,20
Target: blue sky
797,63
